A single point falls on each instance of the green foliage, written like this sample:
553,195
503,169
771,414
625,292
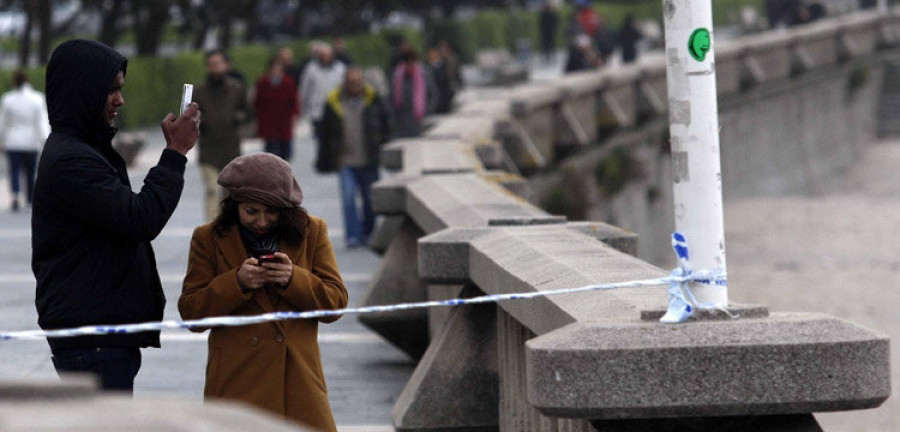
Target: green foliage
170,35
614,172
35,76
724,11
455,33
857,78
490,30
555,202
566,197
153,86
251,60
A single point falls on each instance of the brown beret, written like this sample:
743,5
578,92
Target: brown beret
263,178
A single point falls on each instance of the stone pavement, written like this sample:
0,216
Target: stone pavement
364,373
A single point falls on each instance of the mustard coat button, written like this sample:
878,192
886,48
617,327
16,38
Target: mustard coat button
254,341
279,338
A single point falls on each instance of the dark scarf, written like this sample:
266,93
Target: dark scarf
256,244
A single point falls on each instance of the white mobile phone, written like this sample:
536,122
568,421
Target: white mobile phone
186,94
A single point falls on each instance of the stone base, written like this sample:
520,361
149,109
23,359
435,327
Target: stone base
454,387
396,281
789,363
775,423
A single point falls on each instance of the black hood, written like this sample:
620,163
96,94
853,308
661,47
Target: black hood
79,76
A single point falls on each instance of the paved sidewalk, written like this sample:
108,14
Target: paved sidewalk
364,374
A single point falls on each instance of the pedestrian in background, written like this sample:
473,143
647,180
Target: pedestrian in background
581,55
586,18
355,125
453,72
439,72
286,56
277,109
225,110
23,128
549,21
604,41
311,56
320,77
340,52
629,36
409,94
91,251
275,366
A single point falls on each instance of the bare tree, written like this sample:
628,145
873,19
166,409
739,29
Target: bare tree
25,42
45,26
150,18
111,12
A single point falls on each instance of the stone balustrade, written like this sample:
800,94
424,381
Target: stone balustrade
597,360
75,404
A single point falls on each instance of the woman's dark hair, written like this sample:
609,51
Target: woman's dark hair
291,228
19,78
410,55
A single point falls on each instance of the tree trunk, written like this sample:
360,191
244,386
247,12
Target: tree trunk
45,26
25,46
203,21
150,18
225,33
109,31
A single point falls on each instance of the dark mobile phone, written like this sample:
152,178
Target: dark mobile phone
266,258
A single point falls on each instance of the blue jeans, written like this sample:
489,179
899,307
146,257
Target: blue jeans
22,162
280,148
358,181
116,367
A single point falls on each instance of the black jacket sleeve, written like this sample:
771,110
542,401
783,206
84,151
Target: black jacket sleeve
89,188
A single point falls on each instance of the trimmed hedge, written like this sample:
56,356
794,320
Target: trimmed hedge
154,84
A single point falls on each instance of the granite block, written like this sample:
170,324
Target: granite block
789,363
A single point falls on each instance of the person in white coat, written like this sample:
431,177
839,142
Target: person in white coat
24,127
323,74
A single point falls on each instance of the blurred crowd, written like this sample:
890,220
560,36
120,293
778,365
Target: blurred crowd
787,13
591,41
351,111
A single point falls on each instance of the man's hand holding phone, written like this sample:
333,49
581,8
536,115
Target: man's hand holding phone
181,133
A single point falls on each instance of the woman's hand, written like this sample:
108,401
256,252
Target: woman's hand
251,276
279,272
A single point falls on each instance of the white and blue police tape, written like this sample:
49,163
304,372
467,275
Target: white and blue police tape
682,302
279,316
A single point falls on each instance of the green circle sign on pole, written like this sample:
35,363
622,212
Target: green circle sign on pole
699,44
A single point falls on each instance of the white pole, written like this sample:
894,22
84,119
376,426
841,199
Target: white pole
694,130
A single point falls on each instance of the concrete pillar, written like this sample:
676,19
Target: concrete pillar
454,387
396,281
437,317
516,414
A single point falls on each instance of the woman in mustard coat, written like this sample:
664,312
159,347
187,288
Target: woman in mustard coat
275,366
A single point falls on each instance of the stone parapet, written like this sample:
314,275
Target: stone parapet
414,156
504,260
75,404
789,363
600,359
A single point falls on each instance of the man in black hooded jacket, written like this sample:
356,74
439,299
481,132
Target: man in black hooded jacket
90,233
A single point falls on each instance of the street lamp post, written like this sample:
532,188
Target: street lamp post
694,131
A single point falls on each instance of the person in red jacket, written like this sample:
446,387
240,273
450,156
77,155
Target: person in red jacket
277,109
